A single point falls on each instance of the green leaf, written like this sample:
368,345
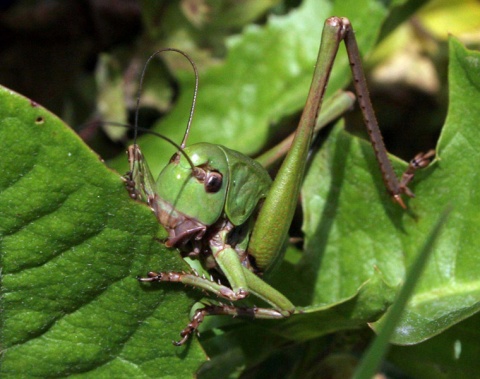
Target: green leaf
452,354
72,243
377,350
369,303
352,227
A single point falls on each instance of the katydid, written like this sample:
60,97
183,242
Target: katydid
221,207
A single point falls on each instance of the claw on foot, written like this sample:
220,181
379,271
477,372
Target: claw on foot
421,160
193,325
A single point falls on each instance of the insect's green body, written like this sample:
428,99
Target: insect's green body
189,211
212,220
222,207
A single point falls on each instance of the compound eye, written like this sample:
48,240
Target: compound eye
213,182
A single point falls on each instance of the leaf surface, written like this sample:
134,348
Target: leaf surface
72,243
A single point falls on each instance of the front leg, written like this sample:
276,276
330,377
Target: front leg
282,307
227,261
196,281
242,282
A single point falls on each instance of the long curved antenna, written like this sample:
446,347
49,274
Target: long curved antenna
194,100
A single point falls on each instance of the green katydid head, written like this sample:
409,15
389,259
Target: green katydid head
181,227
190,192
201,185
223,185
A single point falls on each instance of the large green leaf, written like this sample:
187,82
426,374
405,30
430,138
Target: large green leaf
376,352
449,290
72,242
352,227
